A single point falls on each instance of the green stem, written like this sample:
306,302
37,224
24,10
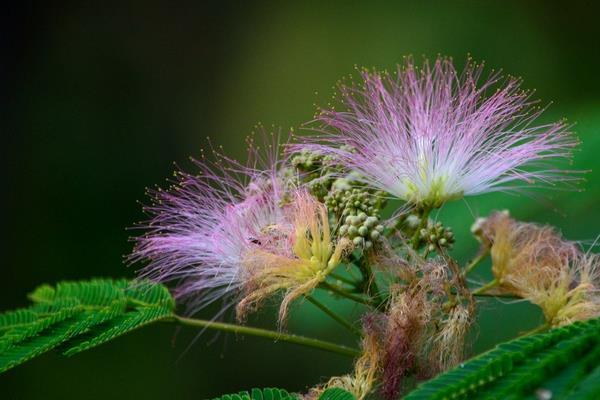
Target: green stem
503,295
138,303
342,279
268,334
539,329
339,319
482,289
414,243
371,284
340,292
390,232
475,261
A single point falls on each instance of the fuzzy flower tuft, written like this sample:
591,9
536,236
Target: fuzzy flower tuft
534,262
429,134
417,334
367,368
293,256
238,234
202,228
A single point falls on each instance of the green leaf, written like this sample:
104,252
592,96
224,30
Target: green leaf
561,361
13,319
260,394
589,387
76,316
118,326
336,394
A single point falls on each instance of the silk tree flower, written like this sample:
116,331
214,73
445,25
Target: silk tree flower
201,229
516,246
429,134
534,262
294,256
238,234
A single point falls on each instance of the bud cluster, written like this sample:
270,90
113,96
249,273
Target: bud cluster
318,171
355,206
358,209
437,236
354,201
363,230
408,224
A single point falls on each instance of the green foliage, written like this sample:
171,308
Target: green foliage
561,363
336,394
260,394
77,316
281,394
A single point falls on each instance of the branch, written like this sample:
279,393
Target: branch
342,293
268,334
333,315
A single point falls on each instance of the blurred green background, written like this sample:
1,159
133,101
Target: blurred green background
101,99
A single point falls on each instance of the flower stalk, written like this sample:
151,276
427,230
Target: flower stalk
416,238
476,261
483,289
335,316
343,279
267,334
342,293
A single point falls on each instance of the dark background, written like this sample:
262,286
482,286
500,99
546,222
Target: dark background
99,99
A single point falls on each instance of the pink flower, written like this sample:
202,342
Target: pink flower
202,228
427,135
239,234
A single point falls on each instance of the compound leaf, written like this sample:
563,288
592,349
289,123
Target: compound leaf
76,316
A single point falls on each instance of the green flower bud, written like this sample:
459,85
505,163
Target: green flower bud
412,221
343,230
352,231
370,222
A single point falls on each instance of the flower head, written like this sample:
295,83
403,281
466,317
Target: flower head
295,256
566,293
534,262
428,135
518,246
201,229
238,233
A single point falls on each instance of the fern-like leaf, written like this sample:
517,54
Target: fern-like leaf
77,316
336,394
260,394
13,319
561,362
118,326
